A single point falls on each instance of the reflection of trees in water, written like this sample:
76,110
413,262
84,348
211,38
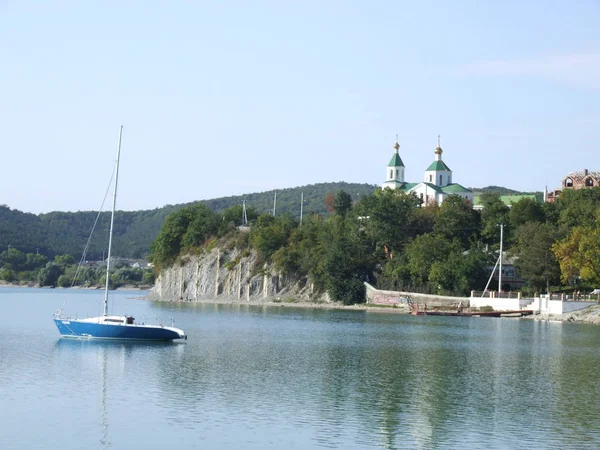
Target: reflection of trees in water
110,360
573,374
396,381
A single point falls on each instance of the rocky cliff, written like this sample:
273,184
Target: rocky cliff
229,276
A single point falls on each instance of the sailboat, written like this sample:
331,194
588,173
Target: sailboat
113,327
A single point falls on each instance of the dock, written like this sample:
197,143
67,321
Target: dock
515,313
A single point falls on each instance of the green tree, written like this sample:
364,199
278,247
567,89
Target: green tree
203,224
457,220
35,261
578,207
525,210
536,262
460,272
234,215
168,244
422,253
388,218
48,276
346,263
64,260
7,275
494,213
269,234
342,203
13,259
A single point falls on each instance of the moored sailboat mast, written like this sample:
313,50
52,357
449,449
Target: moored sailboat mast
112,220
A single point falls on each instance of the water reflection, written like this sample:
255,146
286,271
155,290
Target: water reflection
270,378
94,356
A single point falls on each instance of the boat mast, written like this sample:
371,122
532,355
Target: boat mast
501,251
112,220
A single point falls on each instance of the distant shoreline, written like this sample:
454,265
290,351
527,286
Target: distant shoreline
82,288
588,316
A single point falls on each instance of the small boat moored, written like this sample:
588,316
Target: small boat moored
113,327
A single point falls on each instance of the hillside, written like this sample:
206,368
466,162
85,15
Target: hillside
67,232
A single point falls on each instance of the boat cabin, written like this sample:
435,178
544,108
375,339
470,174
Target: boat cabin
127,320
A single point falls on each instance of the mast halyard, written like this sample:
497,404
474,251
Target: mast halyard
112,220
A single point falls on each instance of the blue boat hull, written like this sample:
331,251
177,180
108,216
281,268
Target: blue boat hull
82,329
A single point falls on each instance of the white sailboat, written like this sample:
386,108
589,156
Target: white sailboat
113,327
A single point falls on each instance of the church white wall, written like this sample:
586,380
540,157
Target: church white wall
394,173
433,176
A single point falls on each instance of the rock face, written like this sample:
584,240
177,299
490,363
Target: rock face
227,275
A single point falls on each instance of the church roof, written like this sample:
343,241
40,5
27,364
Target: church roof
403,186
437,189
439,166
454,188
396,161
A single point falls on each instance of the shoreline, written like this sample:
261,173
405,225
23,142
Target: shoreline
80,288
589,315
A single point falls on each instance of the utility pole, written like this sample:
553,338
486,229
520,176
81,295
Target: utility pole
244,215
501,250
301,205
274,203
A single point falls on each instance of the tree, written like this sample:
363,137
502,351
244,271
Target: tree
494,212
35,261
388,217
460,272
48,276
578,207
63,260
329,201
270,234
13,259
342,203
457,220
536,263
525,210
346,263
168,244
422,253
203,225
579,254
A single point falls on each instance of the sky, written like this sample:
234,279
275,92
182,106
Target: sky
232,97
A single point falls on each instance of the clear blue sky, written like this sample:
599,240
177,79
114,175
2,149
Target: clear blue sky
224,98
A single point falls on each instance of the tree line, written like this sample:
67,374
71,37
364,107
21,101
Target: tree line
58,233
62,271
393,241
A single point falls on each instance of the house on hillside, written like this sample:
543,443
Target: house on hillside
437,182
582,179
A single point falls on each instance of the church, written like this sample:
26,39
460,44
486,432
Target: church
437,182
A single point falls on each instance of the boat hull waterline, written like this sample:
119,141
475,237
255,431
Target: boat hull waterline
85,329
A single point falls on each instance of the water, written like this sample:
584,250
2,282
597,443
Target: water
275,377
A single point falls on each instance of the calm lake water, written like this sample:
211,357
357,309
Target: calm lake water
283,378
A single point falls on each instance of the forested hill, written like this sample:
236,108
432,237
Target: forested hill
58,233
67,232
